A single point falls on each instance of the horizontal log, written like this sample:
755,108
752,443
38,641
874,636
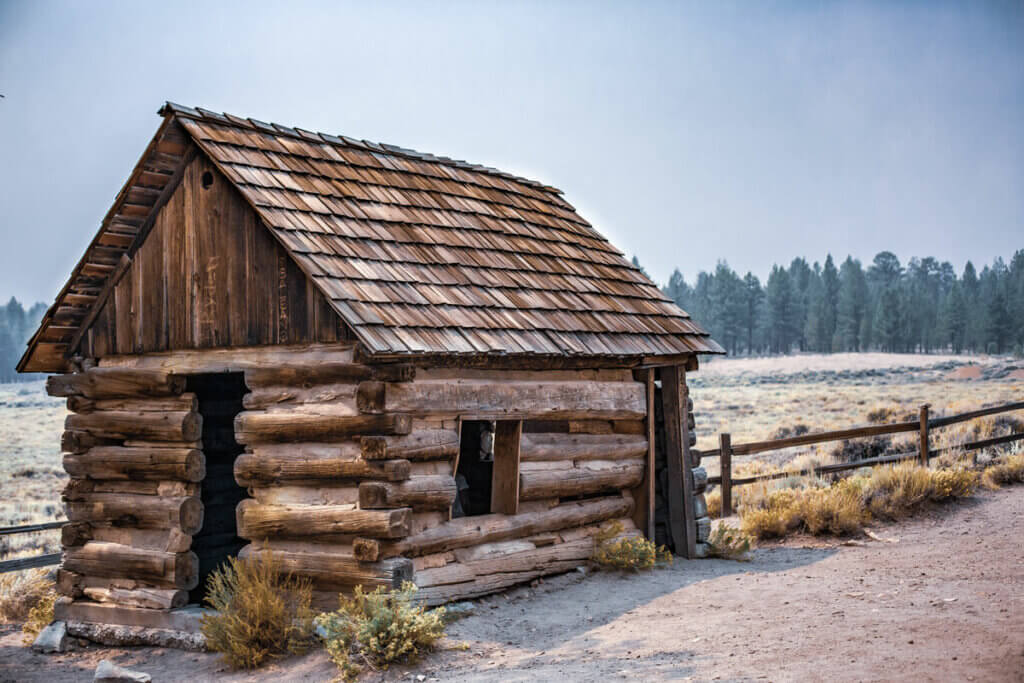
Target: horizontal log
256,521
148,598
422,444
256,470
80,489
581,447
165,540
432,492
153,464
234,359
178,426
171,404
578,481
822,437
519,399
308,375
468,531
111,560
329,571
337,398
323,494
144,512
253,427
101,383
80,442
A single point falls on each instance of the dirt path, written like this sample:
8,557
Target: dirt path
944,602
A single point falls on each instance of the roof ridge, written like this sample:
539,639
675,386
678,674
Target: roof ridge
200,114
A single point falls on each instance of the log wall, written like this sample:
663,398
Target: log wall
133,450
351,472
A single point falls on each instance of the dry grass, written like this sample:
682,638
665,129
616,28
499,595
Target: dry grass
1008,470
22,591
843,508
729,543
262,612
39,617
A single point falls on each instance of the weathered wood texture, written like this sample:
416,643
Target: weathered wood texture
518,399
141,511
179,570
547,446
152,464
261,470
255,427
256,521
335,571
209,274
177,426
578,481
109,383
435,492
463,532
423,444
505,479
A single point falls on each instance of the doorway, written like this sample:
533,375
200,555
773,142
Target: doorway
475,474
220,400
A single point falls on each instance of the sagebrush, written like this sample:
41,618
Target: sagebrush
1008,470
379,628
262,612
39,617
632,553
21,591
729,543
844,508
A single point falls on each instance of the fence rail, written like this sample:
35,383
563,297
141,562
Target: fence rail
726,450
18,564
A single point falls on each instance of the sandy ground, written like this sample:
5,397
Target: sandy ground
940,599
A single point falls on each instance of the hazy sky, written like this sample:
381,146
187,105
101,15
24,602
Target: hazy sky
685,132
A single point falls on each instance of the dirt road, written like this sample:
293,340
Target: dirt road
943,602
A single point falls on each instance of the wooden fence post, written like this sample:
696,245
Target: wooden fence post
725,460
924,435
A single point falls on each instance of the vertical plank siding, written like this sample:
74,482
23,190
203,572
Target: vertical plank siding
210,275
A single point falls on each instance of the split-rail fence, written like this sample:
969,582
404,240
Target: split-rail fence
923,425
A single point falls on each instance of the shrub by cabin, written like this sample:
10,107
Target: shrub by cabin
382,365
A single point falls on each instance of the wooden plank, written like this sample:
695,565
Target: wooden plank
672,402
689,500
505,474
21,563
29,528
644,494
822,437
123,266
725,448
963,417
923,435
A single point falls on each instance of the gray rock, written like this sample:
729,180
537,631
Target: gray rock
458,610
108,672
703,529
53,638
700,506
111,634
703,550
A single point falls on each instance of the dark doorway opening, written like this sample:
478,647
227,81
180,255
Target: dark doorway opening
220,400
474,475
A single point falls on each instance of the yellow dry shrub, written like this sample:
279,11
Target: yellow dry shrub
632,553
380,627
21,591
1009,470
39,617
844,507
729,543
262,611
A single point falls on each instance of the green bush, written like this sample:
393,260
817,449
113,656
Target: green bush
262,612
380,627
630,553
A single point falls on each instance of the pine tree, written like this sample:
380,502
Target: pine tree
781,310
753,295
830,304
853,299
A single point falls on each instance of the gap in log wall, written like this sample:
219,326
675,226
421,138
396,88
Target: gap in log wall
220,399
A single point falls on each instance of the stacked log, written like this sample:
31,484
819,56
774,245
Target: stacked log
132,449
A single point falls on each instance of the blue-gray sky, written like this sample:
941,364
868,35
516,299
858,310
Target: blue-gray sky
685,132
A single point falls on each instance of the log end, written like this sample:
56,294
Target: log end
190,515
195,466
192,427
373,447
372,495
366,549
370,397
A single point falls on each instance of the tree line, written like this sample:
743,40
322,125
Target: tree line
922,306
16,326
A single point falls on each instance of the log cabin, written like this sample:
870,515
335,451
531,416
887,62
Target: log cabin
382,365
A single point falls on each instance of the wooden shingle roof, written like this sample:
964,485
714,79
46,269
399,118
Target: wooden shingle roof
427,255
